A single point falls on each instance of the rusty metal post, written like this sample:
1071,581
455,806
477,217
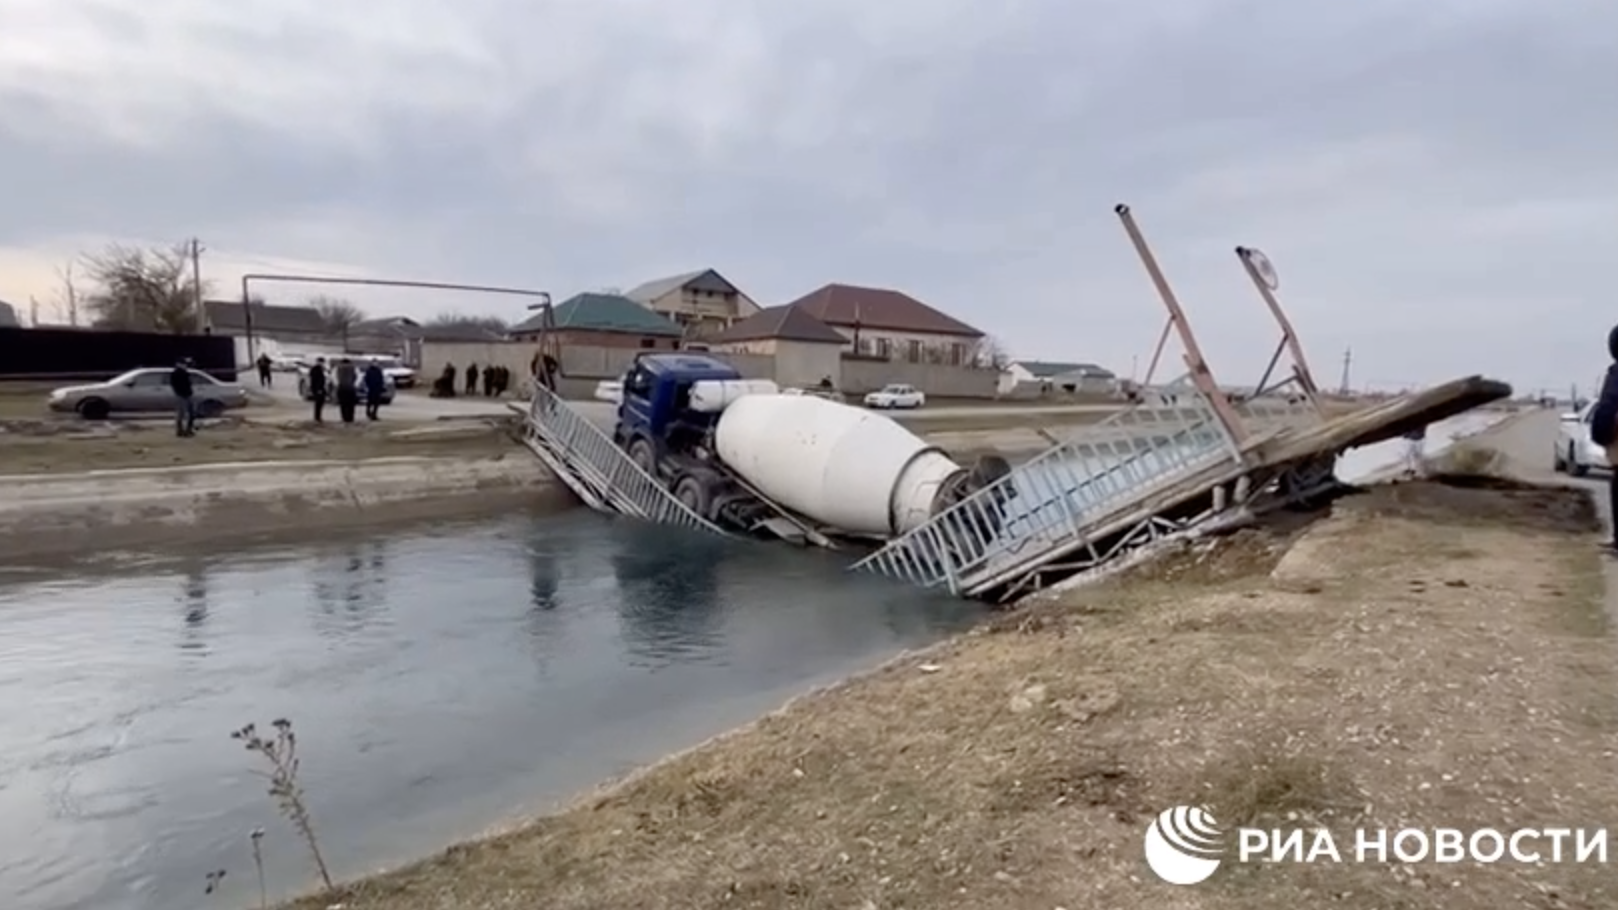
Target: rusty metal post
247,319
1289,338
1157,352
1201,375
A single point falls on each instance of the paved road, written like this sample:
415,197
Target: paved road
1008,410
1528,442
406,406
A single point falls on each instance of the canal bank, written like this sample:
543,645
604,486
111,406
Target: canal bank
82,513
1325,674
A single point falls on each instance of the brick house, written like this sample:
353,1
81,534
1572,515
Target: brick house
885,324
700,302
805,349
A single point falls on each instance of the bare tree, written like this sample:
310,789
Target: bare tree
337,314
463,321
143,290
990,354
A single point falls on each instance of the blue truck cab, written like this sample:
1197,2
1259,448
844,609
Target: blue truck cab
656,425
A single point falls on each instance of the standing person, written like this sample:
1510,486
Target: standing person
265,378
375,384
1604,429
185,412
318,387
546,377
348,393
499,382
471,379
1415,454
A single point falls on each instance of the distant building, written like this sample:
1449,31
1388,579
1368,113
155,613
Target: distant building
604,320
286,324
891,325
8,316
805,349
700,302
402,336
1085,378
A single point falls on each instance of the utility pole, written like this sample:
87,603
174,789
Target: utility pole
1348,359
71,294
33,311
196,285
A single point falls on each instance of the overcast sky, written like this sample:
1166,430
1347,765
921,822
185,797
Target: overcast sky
1435,181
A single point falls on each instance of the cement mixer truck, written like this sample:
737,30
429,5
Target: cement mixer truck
757,461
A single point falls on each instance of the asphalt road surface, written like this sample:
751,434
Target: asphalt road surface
1528,442
414,406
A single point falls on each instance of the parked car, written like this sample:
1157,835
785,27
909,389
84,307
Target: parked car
1574,452
400,375
816,392
896,395
388,387
145,391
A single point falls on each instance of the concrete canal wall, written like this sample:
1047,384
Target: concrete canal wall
80,513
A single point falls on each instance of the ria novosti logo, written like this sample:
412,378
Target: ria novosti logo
1185,845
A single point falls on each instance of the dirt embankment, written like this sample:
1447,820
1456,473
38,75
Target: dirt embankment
1425,656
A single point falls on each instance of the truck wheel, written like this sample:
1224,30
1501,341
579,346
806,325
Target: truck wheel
640,452
94,409
693,493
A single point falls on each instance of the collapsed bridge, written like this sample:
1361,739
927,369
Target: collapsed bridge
1186,455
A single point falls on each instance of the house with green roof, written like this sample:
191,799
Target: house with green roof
596,319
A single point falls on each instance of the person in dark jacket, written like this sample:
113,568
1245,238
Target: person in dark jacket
471,379
1604,427
348,392
375,384
318,387
185,412
265,377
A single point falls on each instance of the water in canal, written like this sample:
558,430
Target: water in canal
439,681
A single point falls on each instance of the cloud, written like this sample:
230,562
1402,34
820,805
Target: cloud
1433,181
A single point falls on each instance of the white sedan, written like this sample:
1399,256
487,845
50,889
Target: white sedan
1575,453
896,396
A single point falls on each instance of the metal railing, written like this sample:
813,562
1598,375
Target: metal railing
1046,506
594,467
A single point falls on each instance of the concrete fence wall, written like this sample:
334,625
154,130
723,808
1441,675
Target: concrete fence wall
937,380
583,367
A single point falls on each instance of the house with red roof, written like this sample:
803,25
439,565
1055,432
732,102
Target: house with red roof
806,350
883,324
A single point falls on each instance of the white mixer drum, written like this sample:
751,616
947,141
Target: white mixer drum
843,466
709,395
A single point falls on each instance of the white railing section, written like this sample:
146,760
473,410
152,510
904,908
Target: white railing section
1048,506
595,468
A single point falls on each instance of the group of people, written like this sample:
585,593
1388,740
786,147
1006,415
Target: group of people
496,381
346,383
